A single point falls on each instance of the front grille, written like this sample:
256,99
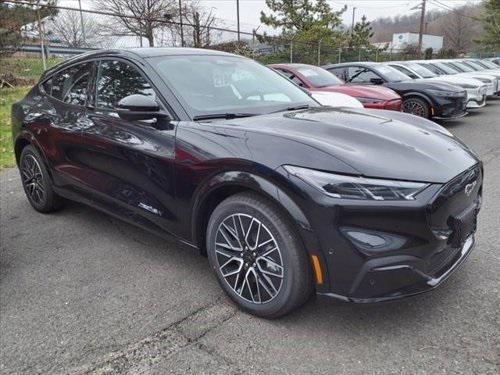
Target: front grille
452,200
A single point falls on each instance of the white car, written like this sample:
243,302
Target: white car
476,90
336,99
443,67
466,70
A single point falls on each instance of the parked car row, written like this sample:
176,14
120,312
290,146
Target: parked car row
437,89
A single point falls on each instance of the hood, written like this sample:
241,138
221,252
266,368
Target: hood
457,80
422,84
360,91
386,145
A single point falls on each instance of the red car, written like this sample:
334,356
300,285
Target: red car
314,78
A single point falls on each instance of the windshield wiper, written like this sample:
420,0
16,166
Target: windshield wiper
293,108
226,116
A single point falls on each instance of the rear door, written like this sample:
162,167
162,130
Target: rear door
60,117
127,165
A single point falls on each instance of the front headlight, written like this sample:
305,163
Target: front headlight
350,187
447,94
369,100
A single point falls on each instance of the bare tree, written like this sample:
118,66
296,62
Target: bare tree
67,26
149,16
201,20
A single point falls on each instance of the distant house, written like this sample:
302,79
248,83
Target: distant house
402,40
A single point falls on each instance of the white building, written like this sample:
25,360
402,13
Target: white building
402,40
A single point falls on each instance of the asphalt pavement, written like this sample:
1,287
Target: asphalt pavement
81,292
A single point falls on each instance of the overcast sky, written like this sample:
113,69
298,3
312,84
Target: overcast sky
225,10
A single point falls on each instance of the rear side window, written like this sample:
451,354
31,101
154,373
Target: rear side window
71,85
118,79
339,72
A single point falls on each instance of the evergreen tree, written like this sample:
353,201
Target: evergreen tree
491,25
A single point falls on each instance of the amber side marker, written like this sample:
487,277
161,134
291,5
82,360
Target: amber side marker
318,274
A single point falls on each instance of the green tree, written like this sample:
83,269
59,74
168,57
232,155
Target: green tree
308,24
491,25
361,34
13,17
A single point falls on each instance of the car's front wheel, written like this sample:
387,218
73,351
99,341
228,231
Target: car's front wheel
417,107
257,256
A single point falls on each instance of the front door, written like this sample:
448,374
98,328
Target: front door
128,164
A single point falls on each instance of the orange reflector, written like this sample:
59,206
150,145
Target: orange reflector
318,274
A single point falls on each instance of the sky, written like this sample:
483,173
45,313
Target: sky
225,10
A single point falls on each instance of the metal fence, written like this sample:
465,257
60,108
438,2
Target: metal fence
74,31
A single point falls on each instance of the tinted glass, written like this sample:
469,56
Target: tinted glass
319,77
212,84
423,72
339,72
360,75
118,79
446,68
391,74
406,71
432,68
71,85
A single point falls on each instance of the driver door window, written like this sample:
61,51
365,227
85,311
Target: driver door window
361,75
116,80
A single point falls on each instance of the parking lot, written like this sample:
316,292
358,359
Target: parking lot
81,292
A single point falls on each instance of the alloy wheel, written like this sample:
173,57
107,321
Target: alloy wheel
415,107
249,258
32,178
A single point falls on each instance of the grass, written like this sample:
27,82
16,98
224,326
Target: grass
7,98
26,71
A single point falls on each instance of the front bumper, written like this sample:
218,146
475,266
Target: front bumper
448,108
395,279
381,250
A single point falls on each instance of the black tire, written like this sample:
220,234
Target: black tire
417,107
36,181
268,220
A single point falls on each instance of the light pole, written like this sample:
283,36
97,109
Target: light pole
81,21
353,15
237,17
180,22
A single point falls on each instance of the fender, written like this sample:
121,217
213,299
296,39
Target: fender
259,184
249,181
420,95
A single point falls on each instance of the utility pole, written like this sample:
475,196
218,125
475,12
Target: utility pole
238,17
81,21
41,35
180,22
353,15
421,32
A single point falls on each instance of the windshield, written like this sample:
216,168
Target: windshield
391,74
319,77
424,72
433,68
459,66
211,84
488,64
447,69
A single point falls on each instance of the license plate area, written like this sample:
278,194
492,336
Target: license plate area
463,225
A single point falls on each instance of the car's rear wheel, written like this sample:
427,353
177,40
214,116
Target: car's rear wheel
257,256
36,181
417,107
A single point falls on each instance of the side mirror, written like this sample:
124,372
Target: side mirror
376,81
139,107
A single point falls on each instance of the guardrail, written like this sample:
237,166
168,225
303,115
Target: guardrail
54,50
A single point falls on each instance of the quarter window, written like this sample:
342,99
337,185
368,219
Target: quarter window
71,85
118,79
